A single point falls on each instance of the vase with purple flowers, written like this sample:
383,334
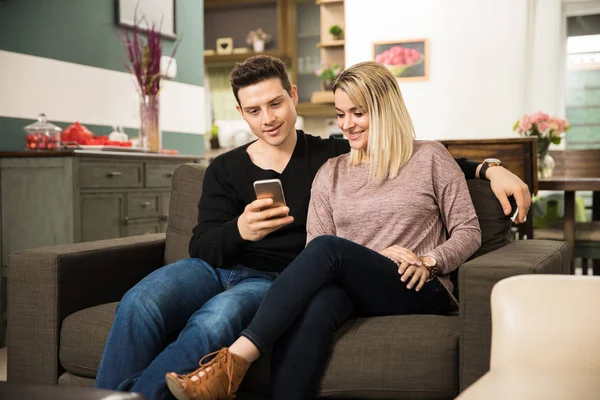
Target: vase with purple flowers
144,50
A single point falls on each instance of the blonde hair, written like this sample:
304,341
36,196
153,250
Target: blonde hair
374,89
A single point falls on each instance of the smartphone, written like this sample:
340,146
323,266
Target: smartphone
270,189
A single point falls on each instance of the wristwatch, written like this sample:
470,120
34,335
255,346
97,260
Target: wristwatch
430,263
488,162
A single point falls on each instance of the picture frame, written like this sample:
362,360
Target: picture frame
225,45
400,58
162,13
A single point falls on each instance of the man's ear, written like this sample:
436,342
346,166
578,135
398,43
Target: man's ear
294,94
237,107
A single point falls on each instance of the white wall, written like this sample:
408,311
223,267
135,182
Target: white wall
477,77
67,91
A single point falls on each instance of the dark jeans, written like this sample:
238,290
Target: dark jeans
300,355
370,280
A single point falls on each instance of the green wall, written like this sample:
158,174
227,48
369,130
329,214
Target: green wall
84,32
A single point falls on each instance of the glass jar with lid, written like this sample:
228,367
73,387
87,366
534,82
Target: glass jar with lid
42,135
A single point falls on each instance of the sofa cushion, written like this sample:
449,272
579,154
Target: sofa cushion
495,226
82,338
382,357
183,210
394,357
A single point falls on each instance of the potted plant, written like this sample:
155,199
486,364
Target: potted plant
214,137
257,38
336,32
328,74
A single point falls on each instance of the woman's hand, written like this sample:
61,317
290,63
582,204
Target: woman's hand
401,256
418,275
409,265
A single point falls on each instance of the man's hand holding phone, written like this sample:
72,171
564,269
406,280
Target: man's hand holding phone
266,214
258,220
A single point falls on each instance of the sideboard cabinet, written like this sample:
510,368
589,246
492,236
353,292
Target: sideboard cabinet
78,196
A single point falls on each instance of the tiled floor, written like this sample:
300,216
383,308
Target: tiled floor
3,364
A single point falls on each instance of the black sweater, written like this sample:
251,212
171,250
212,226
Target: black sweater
228,187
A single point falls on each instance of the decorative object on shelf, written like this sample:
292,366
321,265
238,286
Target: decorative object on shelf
336,32
214,137
144,63
328,74
407,59
258,38
224,45
547,130
42,135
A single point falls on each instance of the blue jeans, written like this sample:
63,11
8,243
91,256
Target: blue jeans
172,318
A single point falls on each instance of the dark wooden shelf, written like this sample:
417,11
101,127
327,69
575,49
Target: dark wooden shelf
332,43
233,58
319,2
308,110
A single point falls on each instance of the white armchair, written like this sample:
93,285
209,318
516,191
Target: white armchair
545,340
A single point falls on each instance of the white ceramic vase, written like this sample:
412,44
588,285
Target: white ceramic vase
258,46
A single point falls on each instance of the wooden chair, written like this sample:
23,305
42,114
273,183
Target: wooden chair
517,154
579,164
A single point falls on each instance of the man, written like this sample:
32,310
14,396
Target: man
197,305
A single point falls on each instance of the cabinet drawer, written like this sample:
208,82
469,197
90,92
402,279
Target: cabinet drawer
143,205
143,228
159,175
110,175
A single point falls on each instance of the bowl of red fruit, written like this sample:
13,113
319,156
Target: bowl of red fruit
400,60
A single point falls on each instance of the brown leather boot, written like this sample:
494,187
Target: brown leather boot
216,379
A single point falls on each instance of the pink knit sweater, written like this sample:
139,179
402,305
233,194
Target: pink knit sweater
426,200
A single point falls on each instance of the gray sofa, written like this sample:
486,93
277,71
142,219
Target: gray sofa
62,300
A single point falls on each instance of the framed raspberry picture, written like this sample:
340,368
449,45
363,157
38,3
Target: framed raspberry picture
407,59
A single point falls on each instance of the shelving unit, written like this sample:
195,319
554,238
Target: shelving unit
235,18
300,38
332,50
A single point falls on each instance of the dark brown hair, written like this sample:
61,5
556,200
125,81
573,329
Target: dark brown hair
257,69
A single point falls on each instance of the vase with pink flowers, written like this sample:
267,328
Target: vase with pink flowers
548,130
257,38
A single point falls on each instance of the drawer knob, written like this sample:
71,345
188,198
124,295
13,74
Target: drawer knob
113,173
164,217
169,174
145,204
125,220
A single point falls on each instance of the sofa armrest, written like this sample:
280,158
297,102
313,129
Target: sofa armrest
475,281
47,284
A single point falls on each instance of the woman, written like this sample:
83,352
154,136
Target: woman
376,227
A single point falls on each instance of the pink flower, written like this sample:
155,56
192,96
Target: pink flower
547,128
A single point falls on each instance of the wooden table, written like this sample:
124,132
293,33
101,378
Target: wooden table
570,186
